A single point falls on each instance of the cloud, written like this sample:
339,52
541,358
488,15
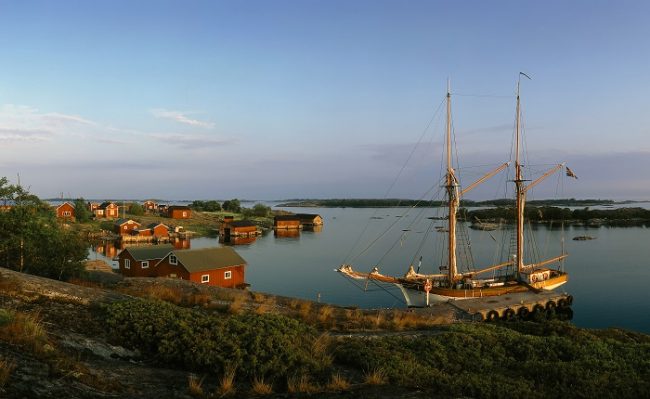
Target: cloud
23,135
180,117
23,123
191,141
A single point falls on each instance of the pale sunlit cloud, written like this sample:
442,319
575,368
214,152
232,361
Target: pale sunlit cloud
191,141
180,117
24,123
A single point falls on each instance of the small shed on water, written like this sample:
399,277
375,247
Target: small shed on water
288,222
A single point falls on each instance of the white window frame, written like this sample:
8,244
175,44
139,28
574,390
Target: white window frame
127,263
67,213
144,264
227,275
173,260
184,214
205,278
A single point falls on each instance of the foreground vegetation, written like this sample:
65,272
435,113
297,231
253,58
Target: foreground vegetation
522,359
210,342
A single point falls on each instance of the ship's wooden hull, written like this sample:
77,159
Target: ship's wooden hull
415,296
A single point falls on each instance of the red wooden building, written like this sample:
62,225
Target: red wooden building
310,219
179,212
65,211
289,222
108,210
238,228
150,206
222,267
125,227
140,261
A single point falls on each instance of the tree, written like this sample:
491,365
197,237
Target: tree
136,209
81,211
261,210
232,205
31,240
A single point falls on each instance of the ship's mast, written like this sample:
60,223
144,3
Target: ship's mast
520,191
452,196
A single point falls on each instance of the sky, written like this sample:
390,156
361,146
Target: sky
320,99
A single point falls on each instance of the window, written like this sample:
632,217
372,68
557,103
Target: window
205,278
184,214
173,260
67,213
144,264
227,275
127,263
126,227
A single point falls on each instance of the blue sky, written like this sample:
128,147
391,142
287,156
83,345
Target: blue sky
285,99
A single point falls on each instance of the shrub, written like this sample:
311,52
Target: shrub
257,345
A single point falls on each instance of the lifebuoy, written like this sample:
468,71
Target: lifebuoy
523,312
492,315
533,278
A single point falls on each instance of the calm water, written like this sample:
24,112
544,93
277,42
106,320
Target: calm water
609,276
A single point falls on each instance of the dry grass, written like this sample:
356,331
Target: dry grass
199,298
237,305
325,315
304,310
338,383
375,377
319,349
6,368
261,387
301,384
162,292
25,330
227,382
258,297
195,385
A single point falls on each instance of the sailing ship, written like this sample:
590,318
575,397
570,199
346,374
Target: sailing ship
513,275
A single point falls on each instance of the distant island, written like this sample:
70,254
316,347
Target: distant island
397,202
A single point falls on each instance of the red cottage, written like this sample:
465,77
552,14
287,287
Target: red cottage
150,206
107,210
65,211
140,261
126,227
179,212
221,267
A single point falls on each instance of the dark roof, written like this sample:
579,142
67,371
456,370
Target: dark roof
152,252
307,215
105,204
182,207
199,260
287,217
242,223
121,221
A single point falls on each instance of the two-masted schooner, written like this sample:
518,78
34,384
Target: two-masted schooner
423,289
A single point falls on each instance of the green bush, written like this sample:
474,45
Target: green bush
257,345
